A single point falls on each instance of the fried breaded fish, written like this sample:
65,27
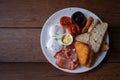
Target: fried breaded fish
82,51
90,58
85,53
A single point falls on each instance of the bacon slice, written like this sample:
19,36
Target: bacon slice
67,59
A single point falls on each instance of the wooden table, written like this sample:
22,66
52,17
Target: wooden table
21,22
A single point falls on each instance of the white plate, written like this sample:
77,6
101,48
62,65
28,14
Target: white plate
54,19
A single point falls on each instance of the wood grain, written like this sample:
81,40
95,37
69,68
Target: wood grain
34,13
23,45
20,45
21,22
37,71
114,44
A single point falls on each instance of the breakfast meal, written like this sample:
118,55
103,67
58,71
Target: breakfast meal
77,40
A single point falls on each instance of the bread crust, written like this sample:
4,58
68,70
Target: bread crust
94,23
97,35
85,37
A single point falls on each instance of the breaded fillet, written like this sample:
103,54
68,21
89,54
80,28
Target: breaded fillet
90,59
82,51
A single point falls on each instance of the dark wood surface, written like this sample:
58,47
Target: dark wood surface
21,56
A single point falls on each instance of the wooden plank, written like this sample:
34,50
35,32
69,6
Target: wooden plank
20,45
114,50
23,45
33,13
37,71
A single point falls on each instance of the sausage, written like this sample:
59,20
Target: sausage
87,25
93,24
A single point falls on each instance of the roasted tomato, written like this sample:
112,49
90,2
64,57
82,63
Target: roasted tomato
65,21
74,30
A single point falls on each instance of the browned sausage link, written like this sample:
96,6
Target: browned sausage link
88,23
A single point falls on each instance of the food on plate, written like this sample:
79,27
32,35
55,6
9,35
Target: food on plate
54,45
83,38
56,30
104,46
76,40
65,21
74,30
97,35
79,19
87,25
90,59
66,39
83,52
67,58
94,23
90,42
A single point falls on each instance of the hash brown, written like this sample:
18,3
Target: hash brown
82,51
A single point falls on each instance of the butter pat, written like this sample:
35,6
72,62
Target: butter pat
66,39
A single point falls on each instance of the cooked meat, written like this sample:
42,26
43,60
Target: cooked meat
67,59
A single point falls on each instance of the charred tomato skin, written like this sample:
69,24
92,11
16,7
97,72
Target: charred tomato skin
65,21
74,30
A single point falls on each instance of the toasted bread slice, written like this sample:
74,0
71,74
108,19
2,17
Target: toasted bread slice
104,46
83,38
94,23
97,35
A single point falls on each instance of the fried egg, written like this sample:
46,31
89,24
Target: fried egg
56,30
54,45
